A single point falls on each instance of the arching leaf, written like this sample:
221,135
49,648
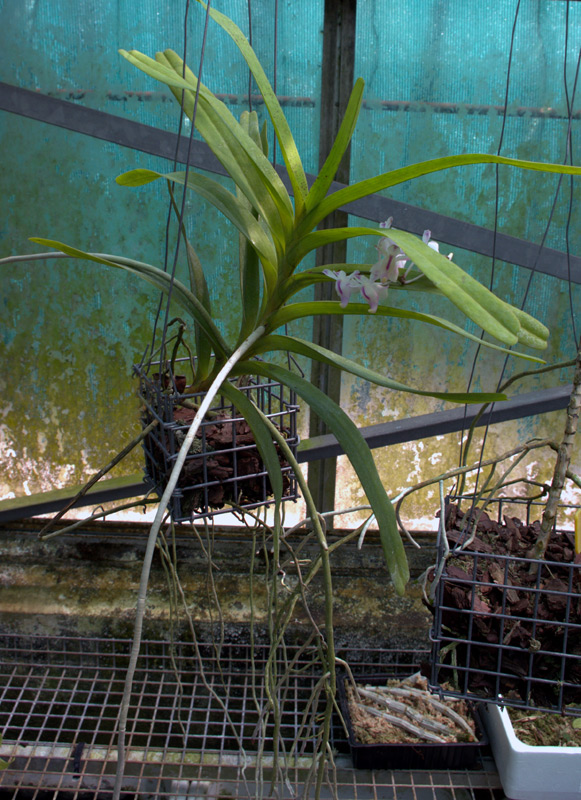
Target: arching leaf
329,169
471,297
239,153
293,311
284,136
224,201
358,453
397,176
160,279
292,344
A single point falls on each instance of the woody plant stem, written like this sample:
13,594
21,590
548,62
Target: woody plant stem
563,461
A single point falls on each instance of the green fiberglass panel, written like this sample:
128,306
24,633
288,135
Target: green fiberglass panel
70,331
436,78
69,50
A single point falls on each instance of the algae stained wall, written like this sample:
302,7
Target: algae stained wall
71,331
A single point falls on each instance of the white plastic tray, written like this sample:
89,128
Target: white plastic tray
531,773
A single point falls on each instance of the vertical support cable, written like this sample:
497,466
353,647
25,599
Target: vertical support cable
336,85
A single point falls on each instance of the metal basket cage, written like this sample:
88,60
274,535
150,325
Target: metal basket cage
199,493
526,652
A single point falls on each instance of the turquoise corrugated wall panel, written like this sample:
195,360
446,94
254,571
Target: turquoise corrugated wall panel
428,56
69,49
70,332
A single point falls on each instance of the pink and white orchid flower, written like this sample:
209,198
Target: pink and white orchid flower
372,292
384,272
345,284
427,239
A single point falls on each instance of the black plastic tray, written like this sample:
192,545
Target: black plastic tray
406,755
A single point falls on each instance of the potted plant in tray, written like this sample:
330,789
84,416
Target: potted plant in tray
276,233
394,722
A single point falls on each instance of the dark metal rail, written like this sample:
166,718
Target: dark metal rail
147,139
381,435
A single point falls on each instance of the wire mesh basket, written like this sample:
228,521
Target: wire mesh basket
507,628
223,467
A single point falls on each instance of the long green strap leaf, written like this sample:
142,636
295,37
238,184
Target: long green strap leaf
249,265
532,333
284,136
167,68
275,342
238,152
327,174
396,176
224,201
294,311
199,288
358,453
261,434
151,67
160,279
471,297
257,154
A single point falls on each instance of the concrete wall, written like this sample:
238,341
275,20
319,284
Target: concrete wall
86,584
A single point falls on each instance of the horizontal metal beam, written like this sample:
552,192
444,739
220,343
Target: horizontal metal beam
381,435
456,419
51,502
298,101
147,139
108,127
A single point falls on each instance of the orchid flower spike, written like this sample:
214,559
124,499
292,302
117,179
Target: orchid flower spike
386,270
382,273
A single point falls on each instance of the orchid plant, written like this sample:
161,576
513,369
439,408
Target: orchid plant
276,233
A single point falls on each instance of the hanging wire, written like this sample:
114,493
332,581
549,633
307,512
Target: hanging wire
250,43
571,181
496,204
152,346
568,156
275,73
183,200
